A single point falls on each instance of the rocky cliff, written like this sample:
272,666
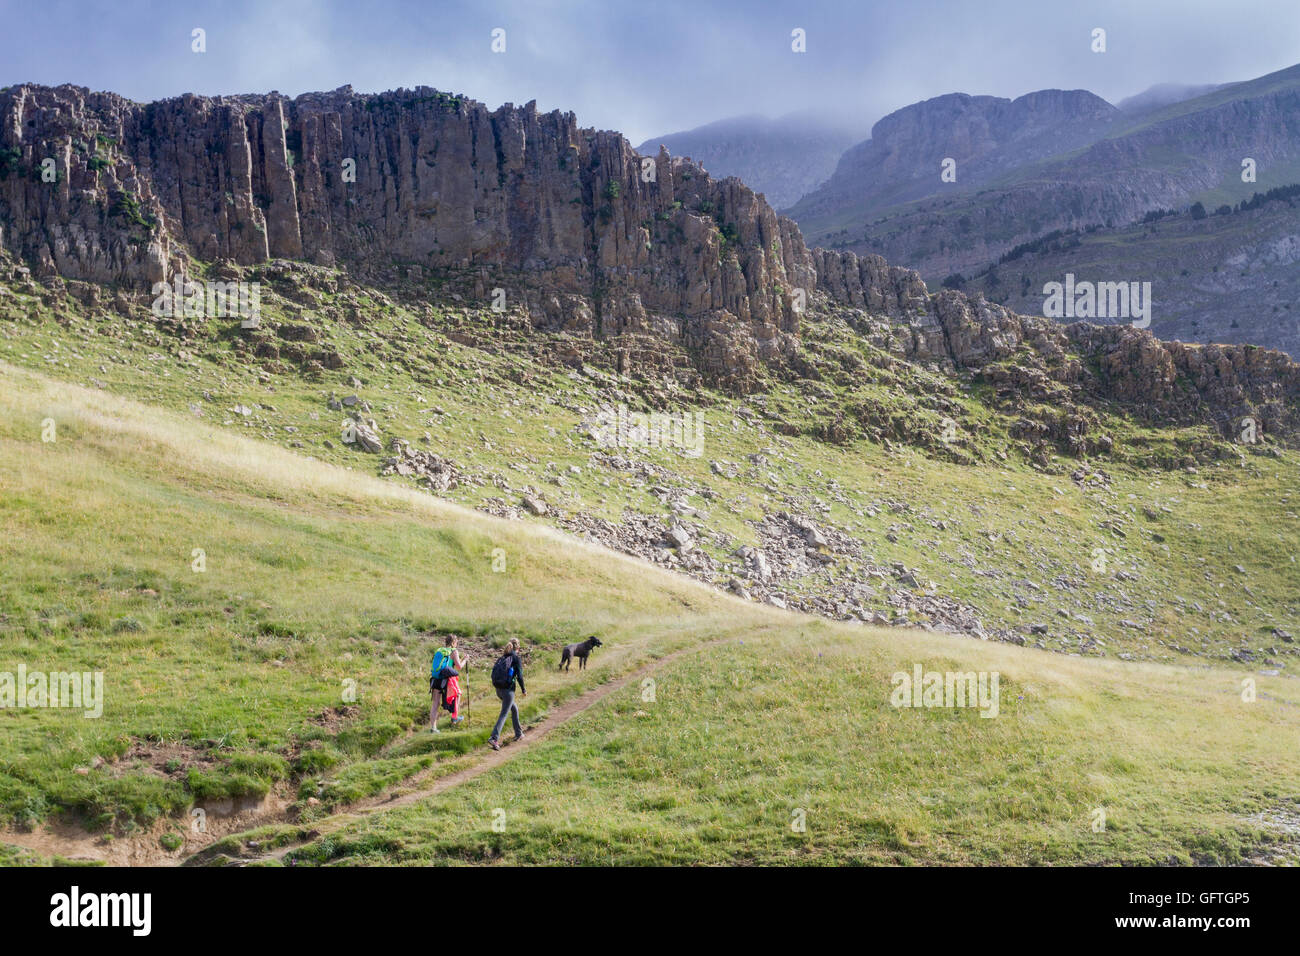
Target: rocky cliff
1039,359
568,220
573,226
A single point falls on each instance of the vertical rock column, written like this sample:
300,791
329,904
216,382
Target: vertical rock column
240,228
283,235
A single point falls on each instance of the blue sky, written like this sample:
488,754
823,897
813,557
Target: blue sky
648,67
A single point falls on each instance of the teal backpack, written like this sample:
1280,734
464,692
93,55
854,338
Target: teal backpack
441,659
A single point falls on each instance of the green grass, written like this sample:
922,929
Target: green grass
230,683
509,416
745,741
203,700
787,713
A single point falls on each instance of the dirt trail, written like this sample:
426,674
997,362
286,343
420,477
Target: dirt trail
494,758
74,843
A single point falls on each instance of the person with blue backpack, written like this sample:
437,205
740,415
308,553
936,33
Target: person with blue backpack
508,670
444,681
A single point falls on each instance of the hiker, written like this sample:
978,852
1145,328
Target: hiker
508,669
444,681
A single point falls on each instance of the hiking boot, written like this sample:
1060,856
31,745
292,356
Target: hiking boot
494,744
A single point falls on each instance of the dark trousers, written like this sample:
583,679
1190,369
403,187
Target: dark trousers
507,707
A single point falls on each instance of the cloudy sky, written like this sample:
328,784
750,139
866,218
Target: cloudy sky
648,67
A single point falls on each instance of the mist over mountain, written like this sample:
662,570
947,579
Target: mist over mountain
985,136
782,158
1166,94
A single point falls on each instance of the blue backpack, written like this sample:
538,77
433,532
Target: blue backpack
442,660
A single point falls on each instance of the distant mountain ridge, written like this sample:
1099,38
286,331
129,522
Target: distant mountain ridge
1066,161
1223,277
985,136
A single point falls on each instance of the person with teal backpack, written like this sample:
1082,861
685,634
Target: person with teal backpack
444,682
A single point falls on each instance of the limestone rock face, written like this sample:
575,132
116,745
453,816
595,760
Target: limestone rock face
870,283
569,224
617,241
1224,383
62,215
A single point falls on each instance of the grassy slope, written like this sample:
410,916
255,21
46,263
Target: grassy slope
741,739
314,576
790,713
1014,540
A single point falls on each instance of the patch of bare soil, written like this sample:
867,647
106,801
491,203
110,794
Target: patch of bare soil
333,718
212,821
208,820
164,758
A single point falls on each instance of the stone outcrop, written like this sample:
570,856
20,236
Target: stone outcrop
571,224
1170,382
592,237
871,284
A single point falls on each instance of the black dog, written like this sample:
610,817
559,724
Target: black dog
580,651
